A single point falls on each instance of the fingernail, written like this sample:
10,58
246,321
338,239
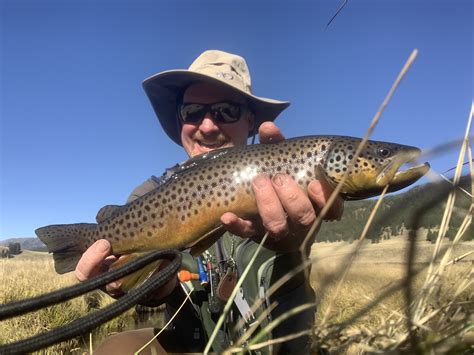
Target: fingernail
260,180
101,246
280,179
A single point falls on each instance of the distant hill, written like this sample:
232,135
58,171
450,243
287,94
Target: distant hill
27,243
422,206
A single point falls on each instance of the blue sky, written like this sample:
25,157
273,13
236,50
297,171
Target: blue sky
77,131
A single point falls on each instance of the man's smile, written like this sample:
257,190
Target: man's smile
204,145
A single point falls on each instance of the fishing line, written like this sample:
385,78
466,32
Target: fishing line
188,298
447,146
337,12
91,321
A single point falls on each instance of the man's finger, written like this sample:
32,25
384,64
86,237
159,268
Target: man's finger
270,133
91,261
320,192
269,206
238,226
295,202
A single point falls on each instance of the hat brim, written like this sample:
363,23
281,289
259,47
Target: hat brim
165,88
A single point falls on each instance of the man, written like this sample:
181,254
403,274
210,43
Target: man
211,106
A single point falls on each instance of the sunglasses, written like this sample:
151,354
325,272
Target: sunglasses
221,112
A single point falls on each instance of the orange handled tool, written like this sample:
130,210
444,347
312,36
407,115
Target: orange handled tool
185,275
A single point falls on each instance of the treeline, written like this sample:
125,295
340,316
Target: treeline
421,207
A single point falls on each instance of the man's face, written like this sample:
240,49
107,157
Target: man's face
207,135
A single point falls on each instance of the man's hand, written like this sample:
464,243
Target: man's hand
285,210
97,260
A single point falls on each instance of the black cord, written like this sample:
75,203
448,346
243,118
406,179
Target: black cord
91,321
32,304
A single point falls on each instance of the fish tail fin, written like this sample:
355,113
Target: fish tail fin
67,242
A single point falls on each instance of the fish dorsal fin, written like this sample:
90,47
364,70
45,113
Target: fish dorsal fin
107,212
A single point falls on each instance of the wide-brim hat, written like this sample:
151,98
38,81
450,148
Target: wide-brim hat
165,89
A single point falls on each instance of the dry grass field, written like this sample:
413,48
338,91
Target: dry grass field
382,326
31,274
376,268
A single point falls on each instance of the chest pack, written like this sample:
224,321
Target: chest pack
254,306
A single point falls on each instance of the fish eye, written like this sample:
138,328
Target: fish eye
384,152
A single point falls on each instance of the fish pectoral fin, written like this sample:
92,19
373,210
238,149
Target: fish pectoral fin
138,277
107,212
206,241
321,175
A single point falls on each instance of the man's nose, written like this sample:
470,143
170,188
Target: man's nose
207,125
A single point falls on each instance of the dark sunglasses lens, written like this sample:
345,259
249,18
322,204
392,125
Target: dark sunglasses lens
226,112
192,113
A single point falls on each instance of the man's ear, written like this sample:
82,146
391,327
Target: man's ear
251,118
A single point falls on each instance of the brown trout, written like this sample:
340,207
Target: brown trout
185,210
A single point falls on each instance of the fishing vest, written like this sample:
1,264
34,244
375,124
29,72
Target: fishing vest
228,258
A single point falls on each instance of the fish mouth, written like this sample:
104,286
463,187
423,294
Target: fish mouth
407,177
398,179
